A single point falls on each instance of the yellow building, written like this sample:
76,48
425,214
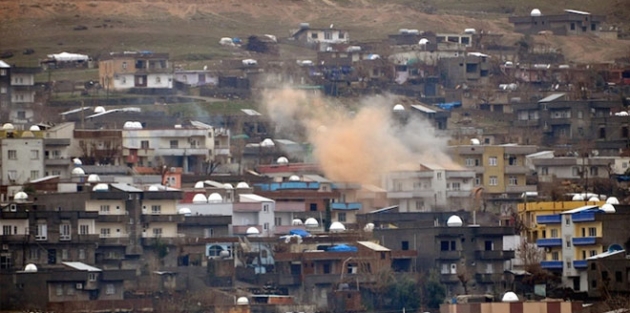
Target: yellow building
499,169
528,211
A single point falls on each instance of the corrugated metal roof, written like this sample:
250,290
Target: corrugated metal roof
250,112
423,109
82,266
552,97
126,188
581,209
250,197
372,246
4,65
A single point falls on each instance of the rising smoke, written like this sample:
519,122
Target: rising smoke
355,145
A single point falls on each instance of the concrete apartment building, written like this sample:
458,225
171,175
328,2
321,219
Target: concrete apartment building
320,38
132,69
22,156
571,237
499,169
557,120
570,22
430,188
576,169
17,94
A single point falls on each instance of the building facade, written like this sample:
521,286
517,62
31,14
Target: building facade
146,70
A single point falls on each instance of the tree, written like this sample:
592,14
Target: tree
434,291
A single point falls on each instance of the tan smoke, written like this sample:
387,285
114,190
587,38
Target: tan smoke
355,145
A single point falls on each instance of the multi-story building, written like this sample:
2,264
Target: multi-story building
573,236
571,22
607,273
466,254
320,39
145,69
17,94
499,169
430,188
577,169
22,155
531,208
585,124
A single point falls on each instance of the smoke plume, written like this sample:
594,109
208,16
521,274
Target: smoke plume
357,143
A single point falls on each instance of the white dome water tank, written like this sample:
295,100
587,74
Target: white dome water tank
242,301
8,126
267,143
93,178
185,211
199,185
252,231
535,12
128,125
510,297
20,196
297,222
154,188
30,268
34,128
475,142
200,198
100,187
228,186
337,227
77,161
593,199
369,227
137,125
242,185
578,197
398,108
612,200
608,208
294,178
423,41
99,109
311,222
77,171
282,160
215,198
28,134
454,221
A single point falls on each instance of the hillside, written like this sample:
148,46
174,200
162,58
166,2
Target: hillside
190,29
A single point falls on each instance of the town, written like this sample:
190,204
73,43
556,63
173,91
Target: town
309,172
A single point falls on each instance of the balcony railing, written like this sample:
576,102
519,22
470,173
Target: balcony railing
449,255
484,278
549,219
583,217
551,265
579,264
494,255
345,206
549,242
584,241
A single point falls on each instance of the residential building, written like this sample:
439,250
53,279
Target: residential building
22,155
513,307
570,22
17,94
430,188
473,68
470,250
573,236
144,69
499,169
558,120
607,273
576,169
530,209
319,38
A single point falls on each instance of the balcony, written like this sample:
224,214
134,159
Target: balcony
449,279
410,194
181,151
551,265
560,121
516,169
457,193
527,123
585,241
494,255
520,189
112,218
449,255
221,150
171,218
289,280
56,162
549,242
549,219
152,241
14,238
493,278
583,217
288,185
113,241
460,174
345,206
490,231
579,264
321,279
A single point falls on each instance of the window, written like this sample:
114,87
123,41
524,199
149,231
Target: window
575,172
92,276
34,175
59,290
592,232
513,181
326,268
555,256
81,254
105,232
208,232
477,181
266,207
277,221
567,220
3,72
328,35
64,231
341,217
12,154
618,277
314,35
124,65
404,245
544,171
593,253
439,175
84,229
144,144
602,132
456,186
174,144
554,233
6,230
156,209
470,162
158,80
34,154
313,207
342,35
594,171
493,181
64,254
109,289
572,26
70,290
444,245
157,232
266,226
41,232
492,161
419,205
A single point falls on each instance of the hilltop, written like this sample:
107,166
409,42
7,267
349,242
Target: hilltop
190,29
